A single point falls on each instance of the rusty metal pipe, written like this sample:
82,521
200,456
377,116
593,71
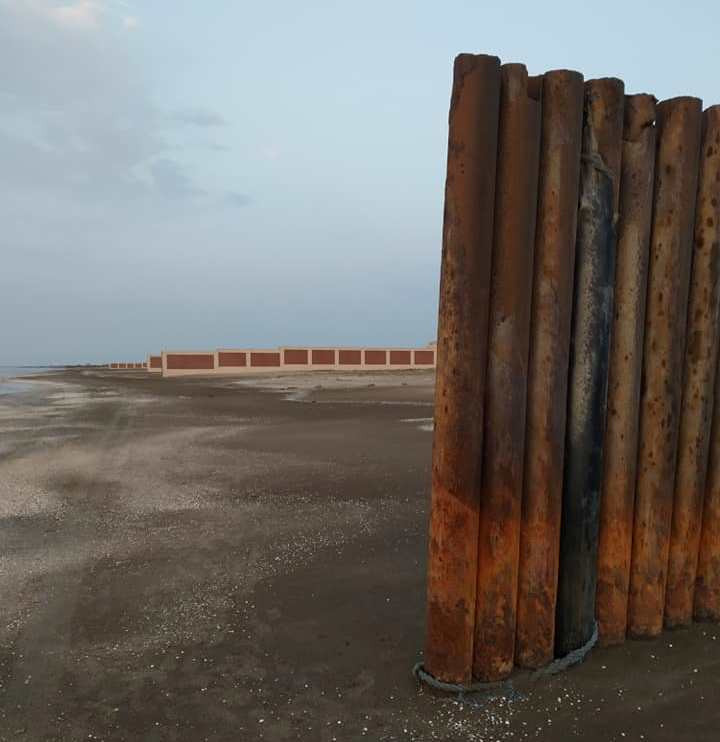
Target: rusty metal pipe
679,123
506,382
701,351
589,361
707,581
706,598
461,366
623,404
562,115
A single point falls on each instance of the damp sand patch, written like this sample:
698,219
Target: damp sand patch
423,423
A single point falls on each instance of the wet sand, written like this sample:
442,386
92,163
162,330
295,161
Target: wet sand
194,559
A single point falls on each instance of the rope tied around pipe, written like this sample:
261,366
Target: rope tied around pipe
554,668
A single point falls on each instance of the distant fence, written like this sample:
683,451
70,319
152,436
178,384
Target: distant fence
134,365
576,461
231,362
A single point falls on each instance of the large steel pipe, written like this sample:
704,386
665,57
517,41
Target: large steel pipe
623,403
506,383
461,366
679,123
703,326
707,238
562,116
589,359
707,582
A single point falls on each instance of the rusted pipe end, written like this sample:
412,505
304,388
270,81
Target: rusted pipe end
602,98
680,100
712,115
514,80
535,87
604,85
516,75
568,81
681,104
686,111
518,84
515,68
465,63
639,115
564,74
470,65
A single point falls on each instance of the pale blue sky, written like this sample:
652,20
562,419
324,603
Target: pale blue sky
213,174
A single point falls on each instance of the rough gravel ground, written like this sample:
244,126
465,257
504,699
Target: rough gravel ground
198,559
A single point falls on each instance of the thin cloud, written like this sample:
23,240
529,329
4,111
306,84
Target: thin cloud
87,128
199,117
84,14
238,199
75,15
170,180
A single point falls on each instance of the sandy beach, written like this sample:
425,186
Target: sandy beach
227,559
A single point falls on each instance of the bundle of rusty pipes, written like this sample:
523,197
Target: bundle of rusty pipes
576,462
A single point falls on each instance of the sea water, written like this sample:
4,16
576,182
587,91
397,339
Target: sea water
10,384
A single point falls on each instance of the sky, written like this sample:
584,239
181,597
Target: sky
180,174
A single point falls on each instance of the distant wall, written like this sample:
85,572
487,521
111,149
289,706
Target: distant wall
233,361
188,363
126,365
